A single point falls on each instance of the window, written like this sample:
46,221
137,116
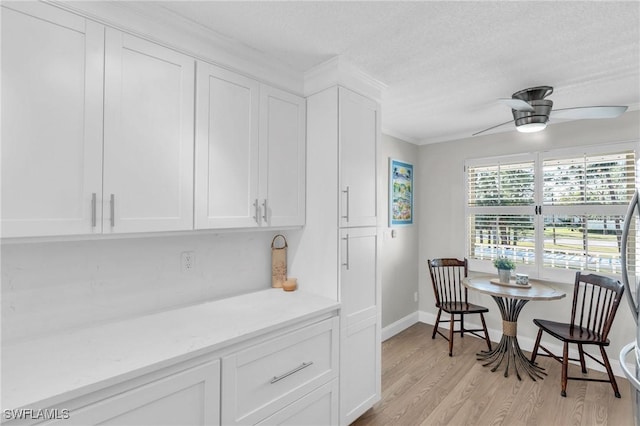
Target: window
553,211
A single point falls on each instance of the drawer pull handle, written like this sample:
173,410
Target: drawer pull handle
288,373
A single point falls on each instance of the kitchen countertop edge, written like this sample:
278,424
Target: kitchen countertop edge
39,373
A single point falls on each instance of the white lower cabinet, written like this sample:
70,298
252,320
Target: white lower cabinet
360,344
360,381
284,376
318,408
189,397
263,379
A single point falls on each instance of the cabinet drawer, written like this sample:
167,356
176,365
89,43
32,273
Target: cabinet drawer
320,408
263,379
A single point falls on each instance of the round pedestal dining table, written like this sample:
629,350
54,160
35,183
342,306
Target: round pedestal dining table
510,299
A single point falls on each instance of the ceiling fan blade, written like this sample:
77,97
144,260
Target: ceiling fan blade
517,104
591,112
501,124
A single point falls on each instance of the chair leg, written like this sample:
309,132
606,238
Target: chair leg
583,364
486,333
461,325
451,335
534,352
565,366
435,327
612,378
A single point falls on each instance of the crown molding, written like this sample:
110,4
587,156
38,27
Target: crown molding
157,24
337,71
401,136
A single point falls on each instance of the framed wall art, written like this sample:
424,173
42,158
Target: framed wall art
400,193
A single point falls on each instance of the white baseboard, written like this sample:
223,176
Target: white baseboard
527,344
399,326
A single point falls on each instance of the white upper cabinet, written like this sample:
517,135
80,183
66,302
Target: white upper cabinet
104,132
52,74
250,154
148,136
358,127
282,157
227,155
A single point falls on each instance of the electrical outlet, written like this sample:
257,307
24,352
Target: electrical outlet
187,261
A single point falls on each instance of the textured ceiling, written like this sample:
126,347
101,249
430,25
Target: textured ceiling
446,63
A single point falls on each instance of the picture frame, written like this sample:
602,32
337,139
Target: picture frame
400,193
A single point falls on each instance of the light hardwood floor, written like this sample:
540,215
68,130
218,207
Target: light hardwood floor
422,385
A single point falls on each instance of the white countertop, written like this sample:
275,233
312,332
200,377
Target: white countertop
46,371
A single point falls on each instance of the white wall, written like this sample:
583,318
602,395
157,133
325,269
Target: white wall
52,286
440,188
399,255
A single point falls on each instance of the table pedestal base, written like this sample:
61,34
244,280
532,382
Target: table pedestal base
508,349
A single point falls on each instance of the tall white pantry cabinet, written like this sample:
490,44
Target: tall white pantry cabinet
343,129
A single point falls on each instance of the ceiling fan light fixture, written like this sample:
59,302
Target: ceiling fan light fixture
531,127
531,110
535,121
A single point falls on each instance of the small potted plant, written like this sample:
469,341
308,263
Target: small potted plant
504,266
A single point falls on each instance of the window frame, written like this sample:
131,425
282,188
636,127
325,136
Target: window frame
538,270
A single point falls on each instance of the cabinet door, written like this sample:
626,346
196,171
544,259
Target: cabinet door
227,125
360,369
358,129
148,136
359,292
191,397
52,74
282,157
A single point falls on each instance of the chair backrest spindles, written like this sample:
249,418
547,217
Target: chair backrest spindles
446,276
595,301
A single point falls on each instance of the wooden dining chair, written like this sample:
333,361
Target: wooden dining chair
451,297
595,302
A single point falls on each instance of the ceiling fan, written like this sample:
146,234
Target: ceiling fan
531,111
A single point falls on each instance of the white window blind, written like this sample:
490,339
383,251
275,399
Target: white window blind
510,184
603,179
585,198
500,202
557,210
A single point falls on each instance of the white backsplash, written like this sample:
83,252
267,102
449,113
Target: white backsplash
52,286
